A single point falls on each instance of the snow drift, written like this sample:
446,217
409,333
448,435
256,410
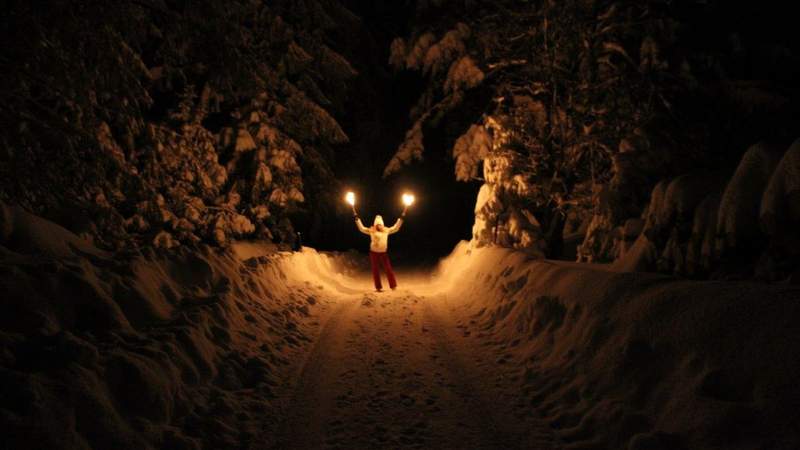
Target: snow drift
711,225
193,348
178,350
638,361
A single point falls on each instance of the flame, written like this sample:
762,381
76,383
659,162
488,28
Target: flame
408,199
350,198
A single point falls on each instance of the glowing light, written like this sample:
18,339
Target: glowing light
408,199
350,198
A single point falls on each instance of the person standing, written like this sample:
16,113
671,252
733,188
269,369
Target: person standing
378,248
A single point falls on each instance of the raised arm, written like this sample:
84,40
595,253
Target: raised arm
396,227
361,226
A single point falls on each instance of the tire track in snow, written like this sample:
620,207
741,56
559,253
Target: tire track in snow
300,427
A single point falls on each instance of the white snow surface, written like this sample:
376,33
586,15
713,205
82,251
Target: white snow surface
634,360
154,349
249,347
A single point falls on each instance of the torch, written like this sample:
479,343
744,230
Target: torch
350,198
408,200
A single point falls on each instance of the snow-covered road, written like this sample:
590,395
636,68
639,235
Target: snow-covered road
252,348
402,369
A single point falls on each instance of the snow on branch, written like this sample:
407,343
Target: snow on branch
416,55
463,74
304,120
469,151
411,149
446,50
397,54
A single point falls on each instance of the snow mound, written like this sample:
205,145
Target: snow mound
682,196
704,225
780,204
700,252
180,349
639,258
651,215
737,222
633,360
26,233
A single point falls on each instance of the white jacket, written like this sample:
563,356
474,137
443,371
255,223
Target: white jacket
379,240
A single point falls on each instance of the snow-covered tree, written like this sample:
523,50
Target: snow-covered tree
164,124
594,96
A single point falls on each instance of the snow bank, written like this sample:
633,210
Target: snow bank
743,226
631,360
700,253
27,233
178,350
780,204
737,222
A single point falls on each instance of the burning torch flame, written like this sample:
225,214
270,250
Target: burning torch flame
350,198
408,199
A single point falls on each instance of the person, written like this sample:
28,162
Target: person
378,247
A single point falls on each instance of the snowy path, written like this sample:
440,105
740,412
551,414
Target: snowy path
395,370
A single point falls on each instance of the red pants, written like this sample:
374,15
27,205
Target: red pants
383,259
